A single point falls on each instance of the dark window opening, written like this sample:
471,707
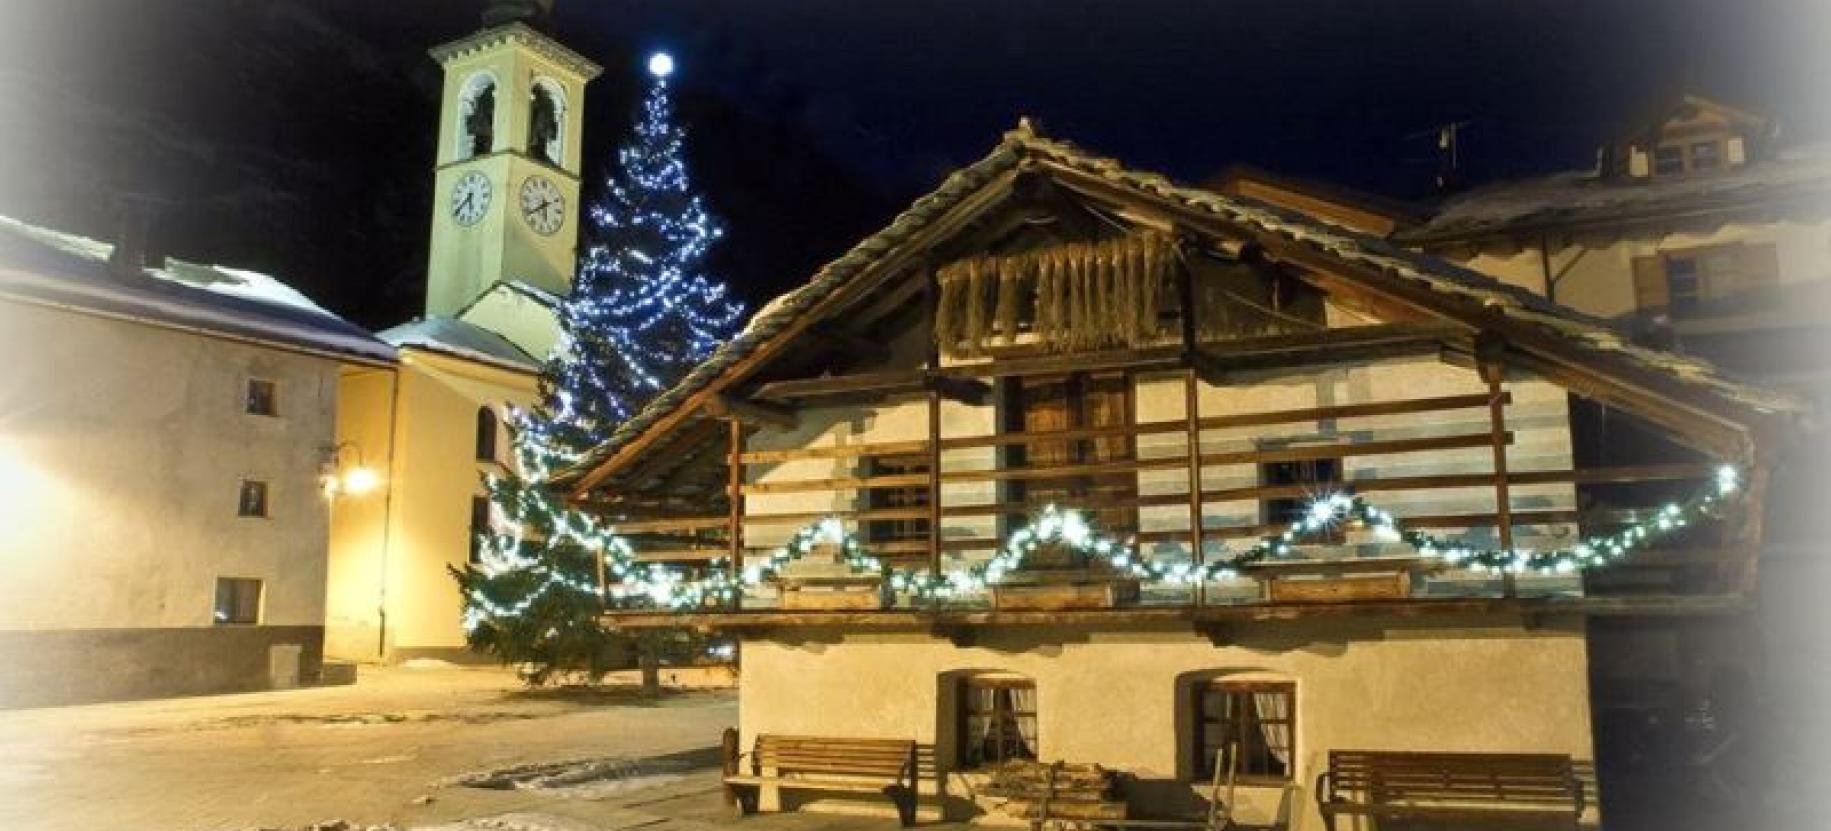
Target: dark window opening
238,600
480,121
479,526
1313,478
912,499
486,434
1080,401
543,125
262,398
997,721
1668,159
1706,155
253,499
1247,727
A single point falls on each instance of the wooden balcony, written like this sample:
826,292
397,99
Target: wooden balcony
1706,562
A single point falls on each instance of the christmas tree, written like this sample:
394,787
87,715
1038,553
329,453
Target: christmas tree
641,313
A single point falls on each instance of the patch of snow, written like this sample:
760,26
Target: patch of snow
427,663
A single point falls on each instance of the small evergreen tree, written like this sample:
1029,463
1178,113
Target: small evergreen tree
641,313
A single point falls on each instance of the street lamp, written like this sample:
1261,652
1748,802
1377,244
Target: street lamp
339,477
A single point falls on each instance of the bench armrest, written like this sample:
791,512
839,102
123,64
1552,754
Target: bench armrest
1325,788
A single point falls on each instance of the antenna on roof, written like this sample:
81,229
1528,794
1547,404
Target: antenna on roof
1448,138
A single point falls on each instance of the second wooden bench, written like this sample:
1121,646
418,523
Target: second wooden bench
885,766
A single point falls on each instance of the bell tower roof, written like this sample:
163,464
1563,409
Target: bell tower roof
517,33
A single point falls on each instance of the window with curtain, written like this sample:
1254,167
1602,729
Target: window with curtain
997,721
1247,726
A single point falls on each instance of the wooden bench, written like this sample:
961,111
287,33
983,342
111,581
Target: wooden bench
885,766
1527,790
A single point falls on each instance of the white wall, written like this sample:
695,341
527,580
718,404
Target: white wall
1111,697
122,448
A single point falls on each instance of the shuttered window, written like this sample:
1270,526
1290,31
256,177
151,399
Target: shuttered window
1685,283
1074,402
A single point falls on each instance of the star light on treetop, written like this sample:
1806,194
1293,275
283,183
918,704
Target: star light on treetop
661,64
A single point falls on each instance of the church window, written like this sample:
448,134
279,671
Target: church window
486,434
480,526
546,121
477,117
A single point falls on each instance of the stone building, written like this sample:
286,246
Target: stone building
164,430
1333,489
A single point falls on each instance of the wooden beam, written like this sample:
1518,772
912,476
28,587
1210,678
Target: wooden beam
1354,343
861,384
964,390
1138,360
733,409
1493,372
734,536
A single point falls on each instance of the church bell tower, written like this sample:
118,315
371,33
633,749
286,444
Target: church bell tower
506,185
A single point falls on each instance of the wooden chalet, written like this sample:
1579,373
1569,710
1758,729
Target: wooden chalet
1193,374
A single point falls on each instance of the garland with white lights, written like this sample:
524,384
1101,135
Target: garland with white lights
1056,526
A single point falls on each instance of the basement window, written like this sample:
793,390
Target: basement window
238,601
253,500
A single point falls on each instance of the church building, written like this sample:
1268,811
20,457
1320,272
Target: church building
504,225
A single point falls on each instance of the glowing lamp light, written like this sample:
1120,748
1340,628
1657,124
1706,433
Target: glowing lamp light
360,480
661,64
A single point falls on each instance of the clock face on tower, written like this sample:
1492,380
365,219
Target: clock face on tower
542,205
470,198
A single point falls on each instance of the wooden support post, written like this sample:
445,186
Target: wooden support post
1492,372
603,583
734,492
934,481
1752,533
1192,413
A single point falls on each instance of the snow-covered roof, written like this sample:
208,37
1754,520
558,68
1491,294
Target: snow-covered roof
1474,294
462,339
1577,197
55,268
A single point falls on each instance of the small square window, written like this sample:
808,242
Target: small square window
262,398
1668,159
253,500
997,721
238,600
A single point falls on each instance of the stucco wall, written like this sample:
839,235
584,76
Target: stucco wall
122,450
422,518
1120,698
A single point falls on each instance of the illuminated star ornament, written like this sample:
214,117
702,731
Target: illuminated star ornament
661,64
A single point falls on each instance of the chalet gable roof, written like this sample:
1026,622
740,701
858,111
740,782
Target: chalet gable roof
1595,355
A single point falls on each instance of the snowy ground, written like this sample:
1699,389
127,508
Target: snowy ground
395,748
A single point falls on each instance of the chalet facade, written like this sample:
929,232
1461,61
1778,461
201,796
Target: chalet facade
1072,463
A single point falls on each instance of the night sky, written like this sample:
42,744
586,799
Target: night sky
296,136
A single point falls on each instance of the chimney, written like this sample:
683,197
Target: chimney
132,243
